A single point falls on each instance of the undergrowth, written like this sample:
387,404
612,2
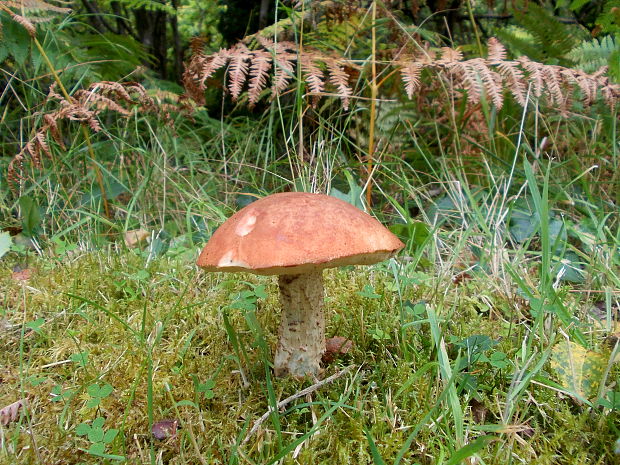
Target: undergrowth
153,332
493,337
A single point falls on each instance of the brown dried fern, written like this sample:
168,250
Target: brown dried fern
29,12
480,77
84,107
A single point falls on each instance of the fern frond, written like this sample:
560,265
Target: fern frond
238,69
478,76
83,106
591,55
284,64
449,56
491,81
25,23
312,73
101,102
211,64
340,80
22,12
35,6
535,76
259,71
552,38
496,51
470,82
552,78
52,125
39,140
410,75
514,78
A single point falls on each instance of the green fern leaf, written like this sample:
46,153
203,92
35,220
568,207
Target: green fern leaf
614,65
553,38
609,19
520,42
592,54
15,40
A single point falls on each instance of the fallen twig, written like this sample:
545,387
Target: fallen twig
297,395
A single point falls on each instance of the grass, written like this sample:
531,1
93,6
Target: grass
158,335
156,330
512,250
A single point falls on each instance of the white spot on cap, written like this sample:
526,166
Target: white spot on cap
246,225
228,260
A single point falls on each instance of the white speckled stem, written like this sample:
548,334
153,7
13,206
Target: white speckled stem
302,330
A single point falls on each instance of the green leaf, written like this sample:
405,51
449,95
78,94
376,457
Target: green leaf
5,241
243,305
105,391
188,403
81,358
376,455
98,422
577,4
578,370
94,402
206,386
109,435
36,325
469,450
570,268
97,449
95,435
368,292
4,52
30,215
82,429
16,40
260,292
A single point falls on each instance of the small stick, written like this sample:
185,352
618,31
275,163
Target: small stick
288,400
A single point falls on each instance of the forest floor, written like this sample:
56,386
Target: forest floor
117,356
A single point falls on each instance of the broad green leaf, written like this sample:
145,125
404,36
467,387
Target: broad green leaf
30,215
94,402
82,429
579,370
81,358
105,390
5,241
109,435
187,403
95,435
36,325
97,449
571,268
98,422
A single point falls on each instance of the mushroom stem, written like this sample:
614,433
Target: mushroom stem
302,330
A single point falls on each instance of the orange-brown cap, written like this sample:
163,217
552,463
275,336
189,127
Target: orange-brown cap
296,232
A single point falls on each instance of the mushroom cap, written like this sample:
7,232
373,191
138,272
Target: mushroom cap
297,232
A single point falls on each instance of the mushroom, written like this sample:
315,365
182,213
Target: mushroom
296,235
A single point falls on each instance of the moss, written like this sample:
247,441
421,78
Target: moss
125,323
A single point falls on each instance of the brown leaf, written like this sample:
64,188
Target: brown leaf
478,410
20,274
134,237
334,347
165,429
10,413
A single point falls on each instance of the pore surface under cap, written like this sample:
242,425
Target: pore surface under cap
297,232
